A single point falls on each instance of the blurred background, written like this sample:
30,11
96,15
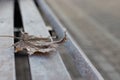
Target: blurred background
95,26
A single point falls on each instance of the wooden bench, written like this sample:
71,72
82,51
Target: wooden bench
41,67
35,67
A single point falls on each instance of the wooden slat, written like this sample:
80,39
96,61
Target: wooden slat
42,67
7,64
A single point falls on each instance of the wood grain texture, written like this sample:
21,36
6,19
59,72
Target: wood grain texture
48,67
7,64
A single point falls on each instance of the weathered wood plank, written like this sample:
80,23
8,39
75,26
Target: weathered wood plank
7,64
42,67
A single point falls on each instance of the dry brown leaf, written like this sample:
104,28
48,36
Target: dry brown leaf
35,44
